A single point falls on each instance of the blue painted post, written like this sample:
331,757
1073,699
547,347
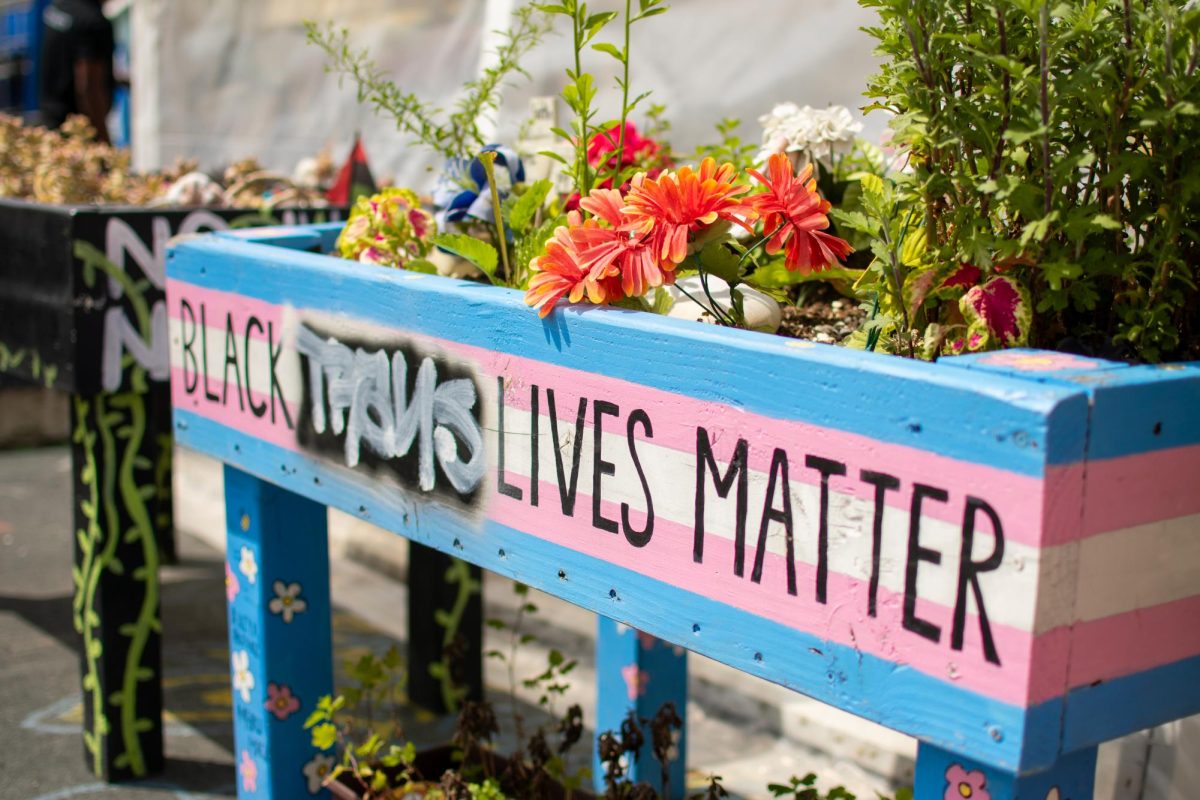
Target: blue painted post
639,672
942,775
277,585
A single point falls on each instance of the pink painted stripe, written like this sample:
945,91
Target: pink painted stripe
1122,492
1139,489
1124,644
219,303
231,416
668,558
1018,499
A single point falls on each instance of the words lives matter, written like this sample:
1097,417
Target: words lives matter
368,405
722,475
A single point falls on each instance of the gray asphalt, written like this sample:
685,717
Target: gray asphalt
732,733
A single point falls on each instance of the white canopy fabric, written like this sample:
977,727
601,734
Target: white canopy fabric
224,79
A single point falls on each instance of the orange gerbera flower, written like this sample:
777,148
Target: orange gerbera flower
794,212
631,254
569,268
673,204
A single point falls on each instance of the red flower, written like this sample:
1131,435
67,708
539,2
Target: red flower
673,204
794,217
616,245
638,149
570,267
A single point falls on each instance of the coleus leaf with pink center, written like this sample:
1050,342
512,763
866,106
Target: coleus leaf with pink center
998,314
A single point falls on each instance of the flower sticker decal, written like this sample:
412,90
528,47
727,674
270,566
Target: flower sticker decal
1039,362
232,587
635,680
249,772
280,701
316,770
248,566
243,678
962,784
287,602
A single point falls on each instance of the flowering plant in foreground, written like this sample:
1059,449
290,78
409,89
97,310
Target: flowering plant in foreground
631,243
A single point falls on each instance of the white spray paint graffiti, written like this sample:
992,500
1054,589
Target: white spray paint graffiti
122,245
363,396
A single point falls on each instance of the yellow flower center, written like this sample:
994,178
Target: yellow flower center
965,790
287,601
321,770
281,702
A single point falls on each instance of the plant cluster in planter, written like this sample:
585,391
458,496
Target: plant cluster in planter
367,755
1038,190
70,166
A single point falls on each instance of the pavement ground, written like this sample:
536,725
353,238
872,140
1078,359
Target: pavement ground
41,756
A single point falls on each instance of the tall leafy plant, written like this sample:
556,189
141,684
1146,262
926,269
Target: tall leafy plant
1055,145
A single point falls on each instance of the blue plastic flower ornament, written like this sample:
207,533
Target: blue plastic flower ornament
462,192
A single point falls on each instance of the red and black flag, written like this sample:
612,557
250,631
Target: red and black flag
354,179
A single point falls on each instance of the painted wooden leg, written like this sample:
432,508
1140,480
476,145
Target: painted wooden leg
942,775
116,601
445,629
162,456
637,672
280,641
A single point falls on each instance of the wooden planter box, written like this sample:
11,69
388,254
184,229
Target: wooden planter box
996,554
83,310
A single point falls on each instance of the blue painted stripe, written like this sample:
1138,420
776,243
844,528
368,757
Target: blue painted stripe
1114,708
1135,409
891,694
994,420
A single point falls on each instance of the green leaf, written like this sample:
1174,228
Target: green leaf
717,259
324,736
422,266
1106,222
611,49
523,211
477,251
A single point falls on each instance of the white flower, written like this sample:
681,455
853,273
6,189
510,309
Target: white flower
316,770
243,678
818,133
247,566
287,601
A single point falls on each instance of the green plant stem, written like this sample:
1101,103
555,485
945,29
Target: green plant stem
488,159
585,176
620,154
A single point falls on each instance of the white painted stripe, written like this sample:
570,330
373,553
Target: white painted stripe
1121,570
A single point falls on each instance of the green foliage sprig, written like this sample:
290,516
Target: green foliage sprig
1060,144
455,136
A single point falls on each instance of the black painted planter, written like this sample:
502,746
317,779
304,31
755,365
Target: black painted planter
82,310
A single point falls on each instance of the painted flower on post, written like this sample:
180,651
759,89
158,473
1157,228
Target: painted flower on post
794,216
280,701
675,204
287,601
963,784
243,678
249,772
232,587
247,565
316,770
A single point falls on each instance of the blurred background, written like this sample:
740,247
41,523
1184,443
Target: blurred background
224,79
